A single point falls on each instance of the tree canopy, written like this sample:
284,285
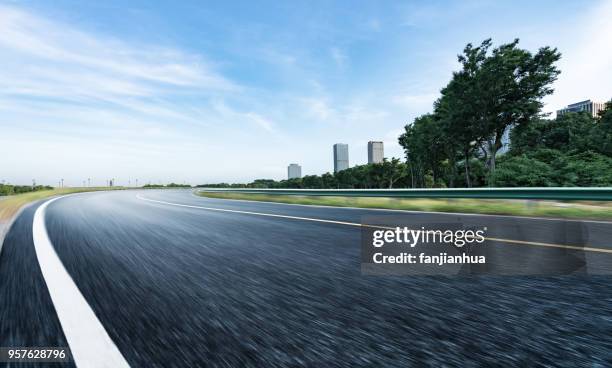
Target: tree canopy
495,90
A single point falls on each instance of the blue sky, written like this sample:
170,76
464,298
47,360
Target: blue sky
233,91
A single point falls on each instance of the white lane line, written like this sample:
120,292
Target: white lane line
255,213
88,340
509,241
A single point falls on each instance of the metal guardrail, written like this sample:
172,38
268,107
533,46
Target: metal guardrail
584,194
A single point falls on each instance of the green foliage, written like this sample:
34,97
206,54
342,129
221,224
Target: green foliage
494,90
425,149
477,173
549,167
573,149
171,185
572,131
221,185
602,135
589,169
523,171
7,189
388,174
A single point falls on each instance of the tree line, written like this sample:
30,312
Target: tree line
388,174
8,189
574,149
171,185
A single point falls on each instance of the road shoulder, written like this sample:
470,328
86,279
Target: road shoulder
5,225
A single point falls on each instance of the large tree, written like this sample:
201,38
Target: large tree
511,83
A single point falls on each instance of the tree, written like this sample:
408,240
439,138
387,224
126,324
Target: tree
423,144
511,84
392,172
601,135
458,122
312,182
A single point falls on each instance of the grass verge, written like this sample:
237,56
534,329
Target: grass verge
9,205
570,210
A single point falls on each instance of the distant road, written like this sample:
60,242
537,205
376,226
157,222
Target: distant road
177,280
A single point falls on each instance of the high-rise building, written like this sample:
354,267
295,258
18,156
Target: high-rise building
376,152
294,171
341,157
505,140
593,108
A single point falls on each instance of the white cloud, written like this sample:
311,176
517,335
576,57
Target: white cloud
44,58
261,121
80,104
318,108
229,114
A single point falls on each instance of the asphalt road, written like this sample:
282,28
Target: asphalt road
177,286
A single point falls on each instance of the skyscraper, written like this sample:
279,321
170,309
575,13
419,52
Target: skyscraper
376,152
294,171
341,157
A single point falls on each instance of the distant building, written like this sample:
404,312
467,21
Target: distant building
593,108
341,157
294,171
376,152
505,140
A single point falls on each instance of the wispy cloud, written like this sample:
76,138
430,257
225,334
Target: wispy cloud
318,108
50,59
229,114
261,121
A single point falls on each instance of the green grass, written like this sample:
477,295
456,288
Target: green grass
592,210
9,205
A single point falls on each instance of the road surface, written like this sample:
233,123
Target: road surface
177,280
